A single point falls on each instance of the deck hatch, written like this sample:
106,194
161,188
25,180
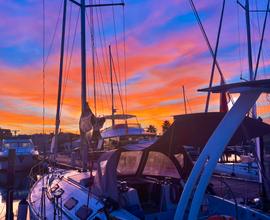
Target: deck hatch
71,203
84,212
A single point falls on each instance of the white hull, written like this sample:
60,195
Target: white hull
239,170
72,189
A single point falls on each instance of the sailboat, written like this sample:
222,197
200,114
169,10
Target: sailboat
147,183
158,181
122,132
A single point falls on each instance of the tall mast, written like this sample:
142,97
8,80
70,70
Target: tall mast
57,120
250,63
111,74
84,147
215,57
185,102
83,6
83,57
251,77
93,56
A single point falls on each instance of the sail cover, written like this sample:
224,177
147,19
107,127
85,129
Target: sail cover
86,120
105,182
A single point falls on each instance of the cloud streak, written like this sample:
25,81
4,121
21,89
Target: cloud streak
164,50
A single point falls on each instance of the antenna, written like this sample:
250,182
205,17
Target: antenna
111,74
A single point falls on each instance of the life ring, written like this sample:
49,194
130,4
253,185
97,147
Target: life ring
221,217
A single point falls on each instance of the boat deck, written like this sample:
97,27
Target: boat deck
225,186
235,188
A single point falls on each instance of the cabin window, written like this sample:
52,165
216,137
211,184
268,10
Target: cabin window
70,203
158,164
11,145
111,143
17,144
129,162
26,145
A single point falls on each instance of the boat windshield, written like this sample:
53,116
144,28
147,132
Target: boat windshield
17,144
129,162
158,164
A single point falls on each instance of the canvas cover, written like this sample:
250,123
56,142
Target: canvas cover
196,129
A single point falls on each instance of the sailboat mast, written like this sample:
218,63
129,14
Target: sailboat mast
251,77
83,6
83,57
185,102
111,74
83,82
57,120
250,65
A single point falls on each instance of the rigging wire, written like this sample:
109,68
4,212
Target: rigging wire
263,59
252,30
240,45
103,45
116,46
69,62
208,43
92,36
95,56
66,58
99,94
54,34
205,36
68,36
102,38
102,80
118,87
261,41
42,203
215,57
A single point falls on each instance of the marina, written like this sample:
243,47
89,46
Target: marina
109,138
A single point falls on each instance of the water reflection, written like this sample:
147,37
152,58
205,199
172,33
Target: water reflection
20,191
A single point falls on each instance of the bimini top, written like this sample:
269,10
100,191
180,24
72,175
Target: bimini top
195,130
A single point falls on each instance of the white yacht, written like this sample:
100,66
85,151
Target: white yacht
124,133
26,154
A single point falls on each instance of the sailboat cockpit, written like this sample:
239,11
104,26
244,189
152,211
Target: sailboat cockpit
143,181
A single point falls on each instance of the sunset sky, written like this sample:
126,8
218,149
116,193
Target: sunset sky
164,50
